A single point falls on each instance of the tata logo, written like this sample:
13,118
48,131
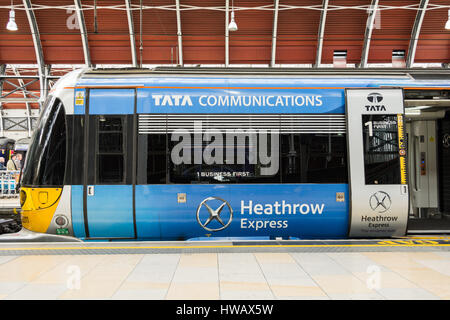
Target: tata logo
171,100
216,219
375,97
380,202
375,100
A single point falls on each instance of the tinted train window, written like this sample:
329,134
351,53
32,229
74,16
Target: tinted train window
152,159
381,149
237,158
314,158
110,149
286,158
46,158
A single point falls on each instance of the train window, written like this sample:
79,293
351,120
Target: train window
45,163
110,168
287,158
152,159
216,159
110,150
75,160
110,142
381,150
314,158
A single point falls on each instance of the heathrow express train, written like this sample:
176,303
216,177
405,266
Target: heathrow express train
185,154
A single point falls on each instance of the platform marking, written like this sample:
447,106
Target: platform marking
388,243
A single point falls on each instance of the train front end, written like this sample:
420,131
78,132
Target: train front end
44,199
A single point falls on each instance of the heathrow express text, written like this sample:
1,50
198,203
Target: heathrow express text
278,209
378,221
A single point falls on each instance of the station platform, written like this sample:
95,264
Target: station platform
385,269
8,205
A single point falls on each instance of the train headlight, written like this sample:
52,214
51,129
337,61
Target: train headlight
61,221
23,197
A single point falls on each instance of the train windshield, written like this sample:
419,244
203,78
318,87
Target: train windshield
45,163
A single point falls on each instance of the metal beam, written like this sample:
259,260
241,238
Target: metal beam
27,104
274,33
27,77
427,102
179,34
37,45
368,34
323,18
47,71
2,72
19,100
83,32
416,32
19,87
227,33
131,31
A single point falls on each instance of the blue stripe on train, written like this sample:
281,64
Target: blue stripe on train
77,211
110,212
264,100
296,210
291,210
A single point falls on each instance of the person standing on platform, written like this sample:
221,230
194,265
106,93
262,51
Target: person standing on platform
18,161
11,165
2,163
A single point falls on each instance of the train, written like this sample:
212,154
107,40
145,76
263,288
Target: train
195,154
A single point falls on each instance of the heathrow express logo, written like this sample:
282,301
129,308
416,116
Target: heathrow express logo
380,202
214,214
446,140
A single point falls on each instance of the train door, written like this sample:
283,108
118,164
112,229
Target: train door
108,189
428,161
377,162
423,167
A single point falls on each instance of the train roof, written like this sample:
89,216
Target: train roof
376,77
429,73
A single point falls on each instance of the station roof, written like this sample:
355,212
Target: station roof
56,36
194,31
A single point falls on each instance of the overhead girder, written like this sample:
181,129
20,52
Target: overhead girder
83,32
368,33
179,34
321,33
37,47
416,32
131,32
274,33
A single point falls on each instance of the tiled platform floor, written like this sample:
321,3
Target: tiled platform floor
262,275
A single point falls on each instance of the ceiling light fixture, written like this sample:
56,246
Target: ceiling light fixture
232,26
12,25
447,25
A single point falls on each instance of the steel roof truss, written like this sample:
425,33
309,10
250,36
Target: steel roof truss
179,34
323,18
274,33
83,32
131,31
368,33
416,32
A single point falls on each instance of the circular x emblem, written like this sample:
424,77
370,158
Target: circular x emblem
380,201
446,140
214,214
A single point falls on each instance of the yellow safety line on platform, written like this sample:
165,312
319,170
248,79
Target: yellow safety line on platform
231,246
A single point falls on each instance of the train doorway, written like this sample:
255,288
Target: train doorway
428,135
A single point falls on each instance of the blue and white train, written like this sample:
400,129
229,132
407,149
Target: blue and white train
194,154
